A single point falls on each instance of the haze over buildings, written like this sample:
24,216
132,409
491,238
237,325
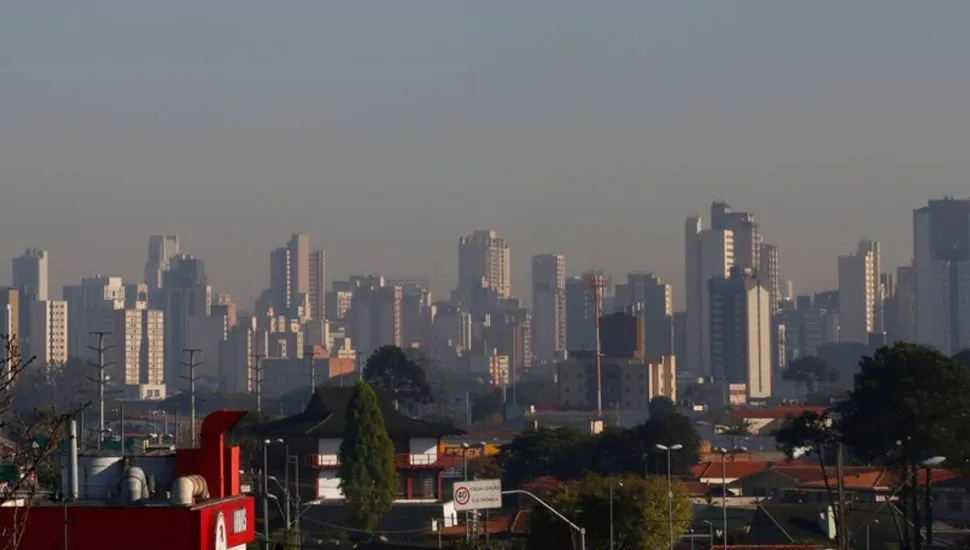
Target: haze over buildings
301,200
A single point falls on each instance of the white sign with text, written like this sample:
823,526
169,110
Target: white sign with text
478,495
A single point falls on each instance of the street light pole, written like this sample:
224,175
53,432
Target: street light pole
612,529
266,493
670,491
464,468
286,482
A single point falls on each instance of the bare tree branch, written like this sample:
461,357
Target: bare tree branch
31,440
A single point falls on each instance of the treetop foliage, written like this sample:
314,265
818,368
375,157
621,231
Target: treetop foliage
368,477
567,454
392,370
640,513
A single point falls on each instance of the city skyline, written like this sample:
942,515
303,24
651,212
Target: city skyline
590,134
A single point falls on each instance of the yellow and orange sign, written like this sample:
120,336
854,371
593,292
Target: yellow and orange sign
455,450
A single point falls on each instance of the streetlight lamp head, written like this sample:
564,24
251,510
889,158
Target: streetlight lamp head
280,440
721,450
662,447
741,449
266,442
464,445
933,462
676,447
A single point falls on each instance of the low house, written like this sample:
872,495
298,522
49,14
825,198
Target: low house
951,502
868,525
313,437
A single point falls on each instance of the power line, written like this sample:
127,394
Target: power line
258,379
191,378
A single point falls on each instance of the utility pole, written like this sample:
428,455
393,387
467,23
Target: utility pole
191,379
101,380
258,379
840,479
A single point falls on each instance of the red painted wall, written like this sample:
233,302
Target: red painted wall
124,528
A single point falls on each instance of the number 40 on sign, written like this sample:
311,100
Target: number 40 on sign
478,495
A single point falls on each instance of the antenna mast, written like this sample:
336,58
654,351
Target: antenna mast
191,379
595,283
101,379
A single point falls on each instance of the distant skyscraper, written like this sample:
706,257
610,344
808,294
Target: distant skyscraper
48,332
30,274
741,332
186,294
770,274
318,285
88,304
299,246
548,306
747,235
161,249
860,295
9,326
281,280
709,254
375,313
484,262
645,296
138,351
941,258
580,320
904,310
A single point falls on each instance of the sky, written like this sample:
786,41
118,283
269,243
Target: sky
386,130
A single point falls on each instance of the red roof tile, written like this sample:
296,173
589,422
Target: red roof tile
740,468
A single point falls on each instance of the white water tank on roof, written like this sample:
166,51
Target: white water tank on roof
100,477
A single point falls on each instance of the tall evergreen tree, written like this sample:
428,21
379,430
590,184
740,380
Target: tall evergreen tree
368,477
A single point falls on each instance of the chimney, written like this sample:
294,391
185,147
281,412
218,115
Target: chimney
72,489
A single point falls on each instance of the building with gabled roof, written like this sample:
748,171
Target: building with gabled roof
314,437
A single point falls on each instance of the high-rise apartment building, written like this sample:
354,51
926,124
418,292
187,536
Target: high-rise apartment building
860,294
902,326
9,328
299,247
484,262
281,280
770,273
10,312
375,313
48,331
317,288
646,296
186,294
741,332
30,274
748,240
709,254
581,313
138,346
161,249
941,258
548,306
87,307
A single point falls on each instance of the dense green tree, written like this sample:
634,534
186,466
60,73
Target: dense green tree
568,454
391,370
244,435
640,513
811,432
811,371
368,478
563,453
908,403
660,407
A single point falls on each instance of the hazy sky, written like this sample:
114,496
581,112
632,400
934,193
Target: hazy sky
388,129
